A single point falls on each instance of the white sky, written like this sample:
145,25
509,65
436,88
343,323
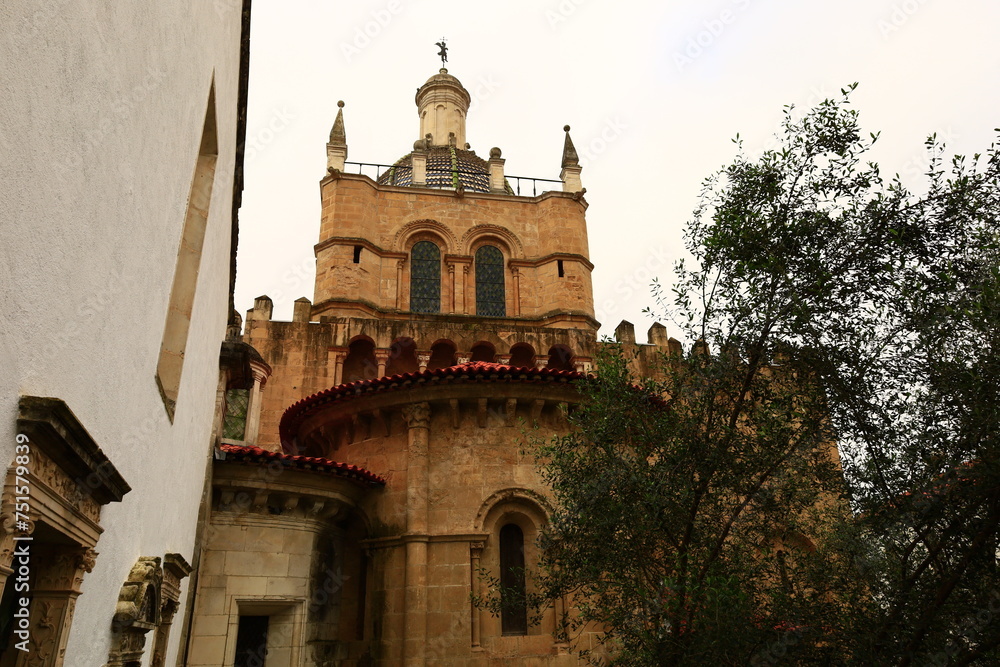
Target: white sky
654,92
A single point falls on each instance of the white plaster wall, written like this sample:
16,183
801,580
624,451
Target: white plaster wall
101,113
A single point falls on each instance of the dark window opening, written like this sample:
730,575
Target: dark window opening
562,272
561,358
360,363
357,254
483,352
522,355
402,357
251,642
514,611
442,355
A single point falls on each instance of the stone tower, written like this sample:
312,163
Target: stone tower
384,469
436,262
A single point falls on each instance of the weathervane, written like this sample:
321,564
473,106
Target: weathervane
443,52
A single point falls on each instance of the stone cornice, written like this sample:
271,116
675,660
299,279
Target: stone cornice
53,428
450,194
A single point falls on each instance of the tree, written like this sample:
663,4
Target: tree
706,517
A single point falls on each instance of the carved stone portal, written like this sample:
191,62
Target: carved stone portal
137,612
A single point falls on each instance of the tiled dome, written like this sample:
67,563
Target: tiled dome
446,168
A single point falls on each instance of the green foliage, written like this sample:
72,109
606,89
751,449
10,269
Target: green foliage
712,522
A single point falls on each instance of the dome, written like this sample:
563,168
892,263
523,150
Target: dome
446,168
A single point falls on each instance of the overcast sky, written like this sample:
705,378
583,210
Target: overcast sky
654,92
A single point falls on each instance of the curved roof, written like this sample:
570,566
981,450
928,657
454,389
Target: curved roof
248,454
446,168
471,372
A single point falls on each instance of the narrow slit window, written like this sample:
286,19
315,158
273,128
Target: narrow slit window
562,272
185,281
357,254
513,607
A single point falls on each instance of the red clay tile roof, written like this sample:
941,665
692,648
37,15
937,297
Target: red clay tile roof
257,455
473,371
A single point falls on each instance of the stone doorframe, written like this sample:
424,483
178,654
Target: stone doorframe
68,479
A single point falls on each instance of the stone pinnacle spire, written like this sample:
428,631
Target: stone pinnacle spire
336,149
338,137
569,157
570,174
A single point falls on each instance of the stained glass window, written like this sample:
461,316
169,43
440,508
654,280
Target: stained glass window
425,278
490,299
235,420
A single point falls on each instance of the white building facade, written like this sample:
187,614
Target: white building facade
120,127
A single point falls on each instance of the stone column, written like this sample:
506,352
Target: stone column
475,554
382,359
516,273
399,283
418,419
175,568
465,290
423,358
260,374
338,365
451,281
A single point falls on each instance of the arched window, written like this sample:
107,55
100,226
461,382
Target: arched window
514,611
402,357
425,278
442,355
490,299
360,362
483,352
561,358
522,355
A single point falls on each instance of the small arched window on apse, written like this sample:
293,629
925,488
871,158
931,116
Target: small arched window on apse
360,362
561,358
402,357
425,277
513,606
522,355
490,295
442,355
483,352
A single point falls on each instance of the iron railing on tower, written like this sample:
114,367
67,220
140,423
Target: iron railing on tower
381,169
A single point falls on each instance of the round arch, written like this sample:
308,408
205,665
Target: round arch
424,230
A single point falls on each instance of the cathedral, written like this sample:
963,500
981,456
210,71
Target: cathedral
371,471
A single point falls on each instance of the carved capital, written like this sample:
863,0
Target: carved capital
417,415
